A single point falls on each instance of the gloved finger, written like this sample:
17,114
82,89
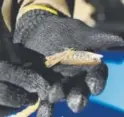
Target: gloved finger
29,80
95,81
78,97
98,40
14,96
45,110
56,93
75,35
96,78
74,90
76,101
78,93
62,88
91,37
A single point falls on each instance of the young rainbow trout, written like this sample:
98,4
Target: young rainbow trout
72,57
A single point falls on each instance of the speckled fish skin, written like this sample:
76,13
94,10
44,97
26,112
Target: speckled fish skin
71,57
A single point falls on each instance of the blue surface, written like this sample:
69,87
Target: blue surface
114,92
111,102
93,109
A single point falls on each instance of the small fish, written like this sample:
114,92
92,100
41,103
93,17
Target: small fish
73,57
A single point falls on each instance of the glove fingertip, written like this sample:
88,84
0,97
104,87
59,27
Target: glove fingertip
96,79
76,101
56,93
45,110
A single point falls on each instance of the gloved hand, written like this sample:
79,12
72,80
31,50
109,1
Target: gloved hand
48,34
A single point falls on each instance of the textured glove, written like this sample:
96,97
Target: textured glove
48,34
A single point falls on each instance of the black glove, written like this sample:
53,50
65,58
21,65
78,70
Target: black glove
49,34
